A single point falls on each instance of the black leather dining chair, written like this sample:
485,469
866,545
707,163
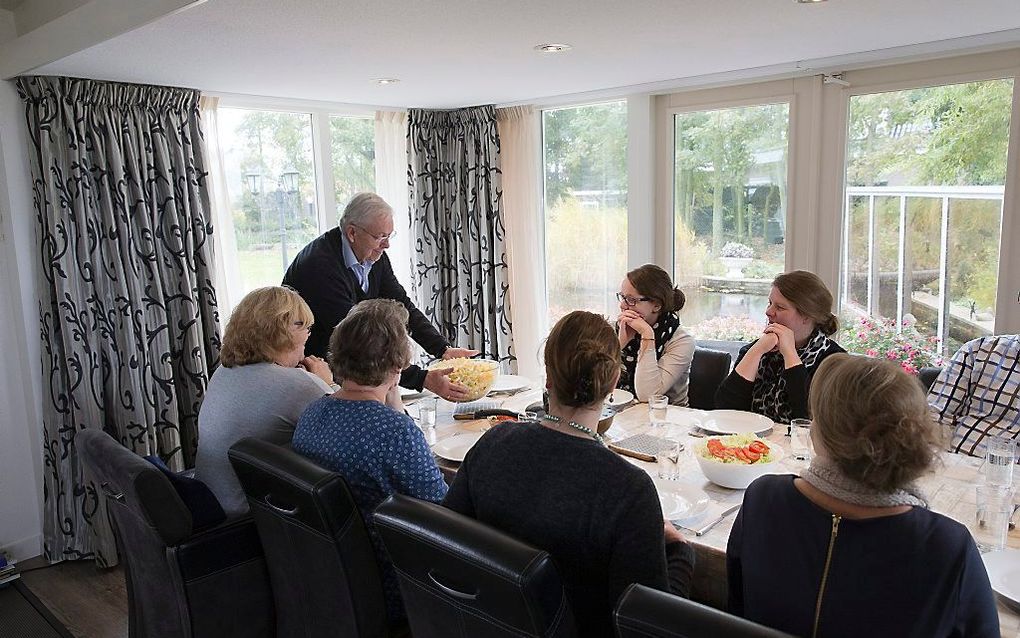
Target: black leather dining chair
708,370
927,376
182,582
643,612
462,578
322,566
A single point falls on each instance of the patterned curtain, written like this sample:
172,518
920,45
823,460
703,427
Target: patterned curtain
127,309
460,270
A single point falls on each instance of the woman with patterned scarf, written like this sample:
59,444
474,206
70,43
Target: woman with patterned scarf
656,351
773,374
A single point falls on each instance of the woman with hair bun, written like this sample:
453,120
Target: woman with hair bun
850,548
773,374
656,351
554,484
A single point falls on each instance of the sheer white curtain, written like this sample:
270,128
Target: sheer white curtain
227,277
520,162
391,185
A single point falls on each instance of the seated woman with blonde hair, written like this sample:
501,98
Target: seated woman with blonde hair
378,449
772,375
655,349
263,384
850,548
555,485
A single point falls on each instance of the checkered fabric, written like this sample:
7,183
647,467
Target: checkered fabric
978,393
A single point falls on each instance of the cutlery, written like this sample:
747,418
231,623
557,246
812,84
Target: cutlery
708,526
1012,523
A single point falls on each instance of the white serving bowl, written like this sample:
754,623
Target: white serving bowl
738,476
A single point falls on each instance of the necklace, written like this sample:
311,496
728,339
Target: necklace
577,426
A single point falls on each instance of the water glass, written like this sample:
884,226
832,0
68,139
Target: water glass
427,413
799,432
657,406
991,520
668,460
1000,459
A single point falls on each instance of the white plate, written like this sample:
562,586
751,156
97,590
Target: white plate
456,447
619,398
409,394
735,422
680,501
509,383
1003,568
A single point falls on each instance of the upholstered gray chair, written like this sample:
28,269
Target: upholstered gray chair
643,612
708,370
462,578
181,582
322,565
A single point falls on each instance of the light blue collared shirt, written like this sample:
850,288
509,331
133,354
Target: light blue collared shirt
360,268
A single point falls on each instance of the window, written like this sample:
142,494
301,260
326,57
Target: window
585,160
729,215
925,175
271,184
352,148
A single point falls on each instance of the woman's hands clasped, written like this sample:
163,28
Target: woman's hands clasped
318,367
630,324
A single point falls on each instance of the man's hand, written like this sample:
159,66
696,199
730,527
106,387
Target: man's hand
453,353
318,367
438,381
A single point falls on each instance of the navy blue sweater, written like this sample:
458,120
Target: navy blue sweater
913,574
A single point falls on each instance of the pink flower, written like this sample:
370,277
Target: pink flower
861,335
891,355
871,352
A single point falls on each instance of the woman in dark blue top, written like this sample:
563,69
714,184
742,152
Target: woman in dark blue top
377,449
850,547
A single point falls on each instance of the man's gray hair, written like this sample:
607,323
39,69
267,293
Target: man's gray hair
363,208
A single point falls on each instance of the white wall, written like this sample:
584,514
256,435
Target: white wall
20,424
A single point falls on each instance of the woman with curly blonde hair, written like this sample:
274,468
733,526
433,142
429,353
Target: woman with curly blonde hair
850,548
263,384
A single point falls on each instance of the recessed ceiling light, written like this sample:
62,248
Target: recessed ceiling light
552,48
809,1
385,81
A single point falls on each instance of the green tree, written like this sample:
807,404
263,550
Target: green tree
352,145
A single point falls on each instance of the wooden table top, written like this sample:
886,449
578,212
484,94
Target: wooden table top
950,489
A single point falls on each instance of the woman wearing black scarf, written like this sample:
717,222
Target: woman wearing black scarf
656,351
772,375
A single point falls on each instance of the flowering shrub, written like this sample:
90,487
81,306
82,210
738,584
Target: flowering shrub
736,249
728,328
876,337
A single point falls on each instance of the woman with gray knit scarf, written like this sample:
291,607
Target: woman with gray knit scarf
850,548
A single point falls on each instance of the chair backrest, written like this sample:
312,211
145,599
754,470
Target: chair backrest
149,517
322,567
643,612
928,375
460,577
708,370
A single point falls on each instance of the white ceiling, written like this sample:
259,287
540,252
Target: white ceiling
465,52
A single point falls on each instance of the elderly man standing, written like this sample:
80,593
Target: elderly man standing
978,393
348,264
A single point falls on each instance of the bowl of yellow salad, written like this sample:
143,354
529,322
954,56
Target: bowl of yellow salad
477,375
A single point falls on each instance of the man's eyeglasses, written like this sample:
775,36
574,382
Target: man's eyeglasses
379,238
631,301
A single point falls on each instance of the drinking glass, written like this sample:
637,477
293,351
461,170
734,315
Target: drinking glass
991,520
427,413
1000,459
799,431
668,460
657,405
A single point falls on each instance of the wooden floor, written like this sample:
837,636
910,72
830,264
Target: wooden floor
91,602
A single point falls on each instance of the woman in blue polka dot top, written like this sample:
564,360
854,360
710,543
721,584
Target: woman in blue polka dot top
355,431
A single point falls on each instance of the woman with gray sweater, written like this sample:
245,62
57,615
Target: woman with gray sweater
263,384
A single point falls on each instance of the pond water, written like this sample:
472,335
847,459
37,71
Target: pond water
702,305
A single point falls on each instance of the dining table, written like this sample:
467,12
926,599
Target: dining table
950,487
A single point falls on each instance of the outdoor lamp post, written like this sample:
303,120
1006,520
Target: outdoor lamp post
287,185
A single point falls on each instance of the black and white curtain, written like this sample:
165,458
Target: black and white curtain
459,258
127,310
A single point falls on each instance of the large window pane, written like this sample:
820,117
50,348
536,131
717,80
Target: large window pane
585,159
352,142
271,184
729,215
928,166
